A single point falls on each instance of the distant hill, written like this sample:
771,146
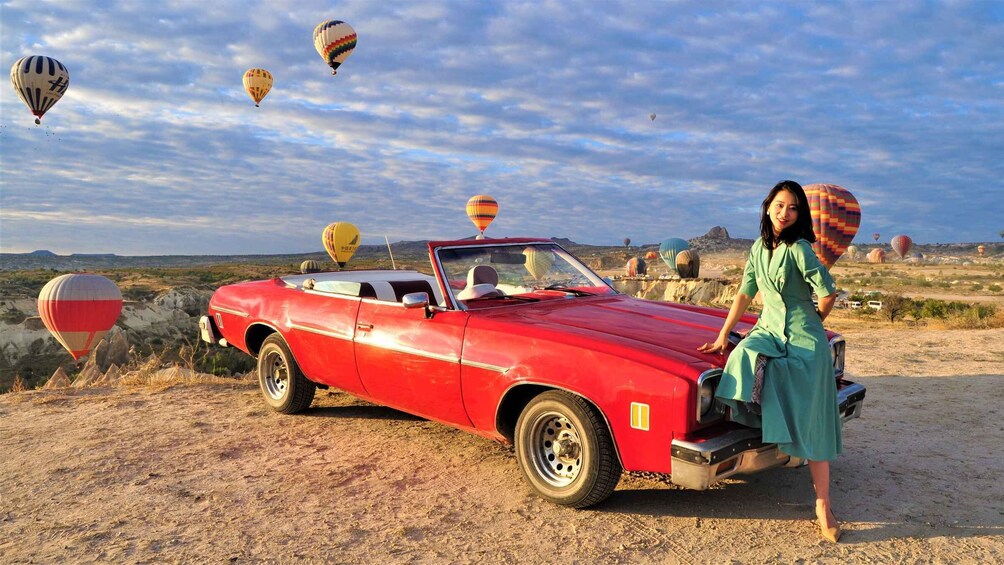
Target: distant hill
42,253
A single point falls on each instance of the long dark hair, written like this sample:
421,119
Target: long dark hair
801,229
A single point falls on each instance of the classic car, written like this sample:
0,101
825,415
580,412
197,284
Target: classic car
518,341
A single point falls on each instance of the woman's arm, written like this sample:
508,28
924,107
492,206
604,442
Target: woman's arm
825,305
739,306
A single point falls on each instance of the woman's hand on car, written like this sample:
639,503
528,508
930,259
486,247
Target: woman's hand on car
718,346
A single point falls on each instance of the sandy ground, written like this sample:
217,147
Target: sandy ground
207,474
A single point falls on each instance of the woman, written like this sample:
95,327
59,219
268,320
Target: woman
780,376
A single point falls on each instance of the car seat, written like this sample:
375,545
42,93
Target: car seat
481,281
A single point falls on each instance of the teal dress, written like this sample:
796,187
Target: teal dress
798,401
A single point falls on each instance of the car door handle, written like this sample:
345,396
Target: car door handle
364,327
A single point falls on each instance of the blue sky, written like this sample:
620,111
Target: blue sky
156,149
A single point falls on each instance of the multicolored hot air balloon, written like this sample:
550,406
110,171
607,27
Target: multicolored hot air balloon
341,239
635,267
334,40
482,209
901,244
876,256
652,255
40,82
836,216
981,250
79,309
876,236
310,266
627,242
538,261
669,249
688,264
257,83
852,251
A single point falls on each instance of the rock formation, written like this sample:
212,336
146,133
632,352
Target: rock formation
57,380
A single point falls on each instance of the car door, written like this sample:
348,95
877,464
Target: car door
411,362
321,328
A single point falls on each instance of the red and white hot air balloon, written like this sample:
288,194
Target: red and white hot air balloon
79,309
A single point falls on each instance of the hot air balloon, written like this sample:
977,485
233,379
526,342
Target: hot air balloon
651,117
538,261
39,82
875,236
852,251
652,255
901,244
981,250
482,209
876,256
627,242
688,264
636,267
79,309
340,241
257,83
310,266
836,216
669,249
334,41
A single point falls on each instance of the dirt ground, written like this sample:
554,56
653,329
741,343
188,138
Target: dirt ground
205,473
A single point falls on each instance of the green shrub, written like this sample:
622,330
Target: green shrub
994,288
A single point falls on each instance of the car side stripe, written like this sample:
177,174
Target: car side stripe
486,366
229,311
328,333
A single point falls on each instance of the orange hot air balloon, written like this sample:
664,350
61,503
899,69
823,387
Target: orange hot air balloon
482,209
341,239
836,216
652,255
257,83
981,250
876,256
79,309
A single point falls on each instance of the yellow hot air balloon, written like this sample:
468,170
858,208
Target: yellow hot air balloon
982,249
334,40
341,239
538,261
39,82
482,209
257,83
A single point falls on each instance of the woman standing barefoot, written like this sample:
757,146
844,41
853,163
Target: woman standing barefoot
780,377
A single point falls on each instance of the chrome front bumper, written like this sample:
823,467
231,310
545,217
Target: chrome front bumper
698,465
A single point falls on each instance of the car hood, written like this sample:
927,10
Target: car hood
672,329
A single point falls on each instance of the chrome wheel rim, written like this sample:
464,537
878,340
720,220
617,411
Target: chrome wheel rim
555,450
274,375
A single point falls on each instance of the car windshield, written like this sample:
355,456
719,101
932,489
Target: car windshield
515,273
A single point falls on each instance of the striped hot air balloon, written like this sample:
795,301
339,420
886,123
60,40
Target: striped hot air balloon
310,266
340,239
482,209
901,244
257,83
836,216
79,309
39,82
635,267
334,40
538,261
852,251
669,249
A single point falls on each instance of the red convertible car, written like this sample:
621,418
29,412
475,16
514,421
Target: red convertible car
518,341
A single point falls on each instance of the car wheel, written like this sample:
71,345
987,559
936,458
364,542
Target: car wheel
565,450
282,384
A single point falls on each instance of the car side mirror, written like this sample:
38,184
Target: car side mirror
417,300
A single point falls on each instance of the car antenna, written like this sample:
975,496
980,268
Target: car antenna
393,266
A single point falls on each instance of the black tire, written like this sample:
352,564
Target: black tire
565,450
283,386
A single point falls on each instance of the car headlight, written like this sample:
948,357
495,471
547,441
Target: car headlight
706,385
